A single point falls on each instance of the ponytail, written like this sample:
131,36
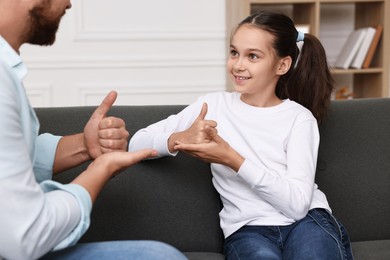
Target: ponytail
311,82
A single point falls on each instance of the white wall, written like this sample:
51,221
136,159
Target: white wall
151,52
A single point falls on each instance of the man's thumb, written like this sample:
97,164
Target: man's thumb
106,104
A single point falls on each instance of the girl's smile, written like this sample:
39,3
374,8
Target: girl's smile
253,65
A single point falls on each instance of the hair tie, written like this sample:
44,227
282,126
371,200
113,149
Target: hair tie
300,36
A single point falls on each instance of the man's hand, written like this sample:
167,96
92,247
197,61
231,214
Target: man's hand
105,134
107,166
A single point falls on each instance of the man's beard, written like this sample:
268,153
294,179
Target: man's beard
43,28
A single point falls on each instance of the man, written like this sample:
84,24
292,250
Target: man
38,215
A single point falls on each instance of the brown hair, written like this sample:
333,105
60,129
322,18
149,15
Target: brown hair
309,81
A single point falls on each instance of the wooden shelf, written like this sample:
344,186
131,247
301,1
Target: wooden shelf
367,83
357,71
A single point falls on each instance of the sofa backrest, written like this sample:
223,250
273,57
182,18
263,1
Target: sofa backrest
173,200
353,166
169,199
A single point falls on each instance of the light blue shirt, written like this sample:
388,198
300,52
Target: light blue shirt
37,214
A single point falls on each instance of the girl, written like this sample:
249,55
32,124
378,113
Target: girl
262,142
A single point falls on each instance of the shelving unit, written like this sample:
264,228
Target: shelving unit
367,83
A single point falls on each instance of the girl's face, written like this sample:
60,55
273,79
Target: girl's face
254,67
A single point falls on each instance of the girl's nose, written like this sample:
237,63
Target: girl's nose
238,65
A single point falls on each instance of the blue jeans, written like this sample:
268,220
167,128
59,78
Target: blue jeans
118,250
317,236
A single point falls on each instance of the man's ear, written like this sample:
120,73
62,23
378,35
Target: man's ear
284,65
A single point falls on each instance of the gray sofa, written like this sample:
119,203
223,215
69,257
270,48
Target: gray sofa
173,200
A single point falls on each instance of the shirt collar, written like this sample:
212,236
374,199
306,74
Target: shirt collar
11,58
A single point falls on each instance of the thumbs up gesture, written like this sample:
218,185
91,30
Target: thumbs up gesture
215,150
104,134
197,133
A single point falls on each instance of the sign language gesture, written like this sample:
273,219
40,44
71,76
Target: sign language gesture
197,132
105,134
210,147
107,166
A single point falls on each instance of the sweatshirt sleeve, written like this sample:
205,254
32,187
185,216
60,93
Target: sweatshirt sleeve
156,135
291,193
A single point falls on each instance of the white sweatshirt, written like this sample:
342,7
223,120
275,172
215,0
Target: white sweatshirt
275,184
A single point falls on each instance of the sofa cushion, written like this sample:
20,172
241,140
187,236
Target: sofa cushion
204,256
378,250
171,199
353,166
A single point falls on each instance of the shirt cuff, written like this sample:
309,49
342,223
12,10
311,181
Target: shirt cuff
161,145
85,202
46,146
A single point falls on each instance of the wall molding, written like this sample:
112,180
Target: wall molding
84,34
117,63
145,91
40,95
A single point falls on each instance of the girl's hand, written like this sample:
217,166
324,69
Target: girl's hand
217,150
196,134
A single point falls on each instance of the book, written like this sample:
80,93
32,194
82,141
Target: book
350,48
361,54
372,49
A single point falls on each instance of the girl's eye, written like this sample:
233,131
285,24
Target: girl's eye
253,56
233,53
